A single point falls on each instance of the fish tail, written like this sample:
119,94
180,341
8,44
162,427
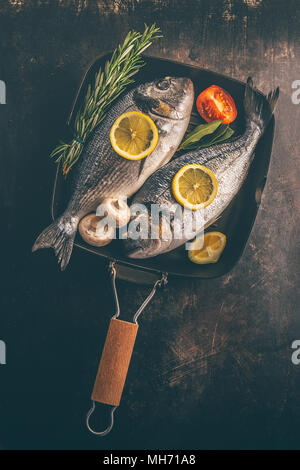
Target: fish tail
60,236
259,108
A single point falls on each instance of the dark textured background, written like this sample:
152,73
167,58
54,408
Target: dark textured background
212,364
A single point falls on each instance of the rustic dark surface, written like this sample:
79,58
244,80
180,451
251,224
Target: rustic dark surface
212,362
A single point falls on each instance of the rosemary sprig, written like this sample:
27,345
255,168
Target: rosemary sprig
109,83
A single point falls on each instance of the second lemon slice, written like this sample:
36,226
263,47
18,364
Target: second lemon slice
194,186
208,249
133,135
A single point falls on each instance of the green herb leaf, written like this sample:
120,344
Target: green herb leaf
216,136
199,132
206,135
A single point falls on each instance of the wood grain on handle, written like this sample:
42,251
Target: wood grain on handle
114,362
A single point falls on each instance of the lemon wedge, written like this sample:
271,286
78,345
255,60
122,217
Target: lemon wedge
207,249
133,135
194,186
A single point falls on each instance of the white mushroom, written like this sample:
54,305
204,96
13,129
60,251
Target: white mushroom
94,232
117,209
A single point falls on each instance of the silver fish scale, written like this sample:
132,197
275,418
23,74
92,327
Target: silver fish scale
158,188
229,162
102,173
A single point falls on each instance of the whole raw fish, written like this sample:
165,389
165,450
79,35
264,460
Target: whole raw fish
229,162
104,174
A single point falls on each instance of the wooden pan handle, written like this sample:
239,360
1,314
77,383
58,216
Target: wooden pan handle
114,362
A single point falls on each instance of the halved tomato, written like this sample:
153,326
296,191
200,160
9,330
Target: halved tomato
214,103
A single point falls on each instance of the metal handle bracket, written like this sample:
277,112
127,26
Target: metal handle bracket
158,284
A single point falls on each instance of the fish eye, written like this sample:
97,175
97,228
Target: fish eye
163,84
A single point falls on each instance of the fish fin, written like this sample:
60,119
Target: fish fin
60,237
259,108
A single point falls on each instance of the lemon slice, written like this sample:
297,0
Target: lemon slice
194,186
133,135
207,249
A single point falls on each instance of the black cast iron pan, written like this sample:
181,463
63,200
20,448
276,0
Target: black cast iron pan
236,222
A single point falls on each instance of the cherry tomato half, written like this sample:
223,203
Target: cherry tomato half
214,103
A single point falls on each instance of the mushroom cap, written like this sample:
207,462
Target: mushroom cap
117,209
93,232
